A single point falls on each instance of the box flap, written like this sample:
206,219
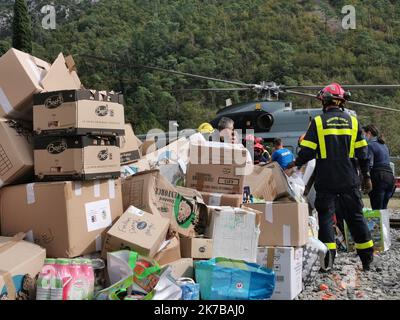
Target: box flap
59,78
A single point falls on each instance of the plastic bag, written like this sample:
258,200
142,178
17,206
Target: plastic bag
190,289
225,279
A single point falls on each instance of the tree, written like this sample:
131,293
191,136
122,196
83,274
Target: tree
22,29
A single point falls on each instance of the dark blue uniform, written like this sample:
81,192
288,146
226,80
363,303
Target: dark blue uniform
383,181
335,140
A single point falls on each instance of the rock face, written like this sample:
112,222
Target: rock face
348,282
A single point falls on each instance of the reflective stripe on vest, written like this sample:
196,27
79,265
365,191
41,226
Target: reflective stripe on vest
321,138
354,126
321,132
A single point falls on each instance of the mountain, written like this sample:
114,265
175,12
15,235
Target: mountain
290,42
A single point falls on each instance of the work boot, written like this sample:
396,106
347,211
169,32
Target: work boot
367,258
328,261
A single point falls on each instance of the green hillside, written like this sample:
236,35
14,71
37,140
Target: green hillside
290,42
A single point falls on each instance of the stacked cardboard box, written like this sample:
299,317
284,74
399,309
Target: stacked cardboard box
283,226
76,135
73,132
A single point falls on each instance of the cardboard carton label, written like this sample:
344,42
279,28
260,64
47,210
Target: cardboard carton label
98,215
54,101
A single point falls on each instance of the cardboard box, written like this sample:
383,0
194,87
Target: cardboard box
25,72
215,178
378,222
268,182
18,258
211,152
234,232
197,248
78,112
76,158
283,224
288,265
68,219
182,268
16,153
30,75
130,146
220,199
138,231
151,192
170,253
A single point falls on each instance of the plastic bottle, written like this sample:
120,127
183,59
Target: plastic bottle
62,281
77,288
46,278
88,272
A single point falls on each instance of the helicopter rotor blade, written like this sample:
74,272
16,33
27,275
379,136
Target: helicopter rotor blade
213,89
372,106
166,70
348,102
357,86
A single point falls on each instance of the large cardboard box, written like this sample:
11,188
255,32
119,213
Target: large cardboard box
151,192
16,153
18,258
66,218
78,112
170,252
283,224
378,222
20,77
23,75
287,264
211,152
130,146
197,248
221,199
268,182
138,231
215,178
76,158
234,232
182,268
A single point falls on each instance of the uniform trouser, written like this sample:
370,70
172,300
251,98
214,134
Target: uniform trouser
351,209
383,186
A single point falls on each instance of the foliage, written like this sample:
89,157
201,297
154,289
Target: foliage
22,29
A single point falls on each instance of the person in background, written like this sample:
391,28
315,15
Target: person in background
206,130
282,155
226,128
382,177
261,155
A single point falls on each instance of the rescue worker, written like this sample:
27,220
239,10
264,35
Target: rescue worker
335,140
206,130
383,181
261,155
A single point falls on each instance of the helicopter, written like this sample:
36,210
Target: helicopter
269,116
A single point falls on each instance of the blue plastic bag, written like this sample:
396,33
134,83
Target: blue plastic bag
225,279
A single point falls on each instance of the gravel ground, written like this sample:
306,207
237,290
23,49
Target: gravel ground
348,282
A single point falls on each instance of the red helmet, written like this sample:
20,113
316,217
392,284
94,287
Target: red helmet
258,146
333,92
